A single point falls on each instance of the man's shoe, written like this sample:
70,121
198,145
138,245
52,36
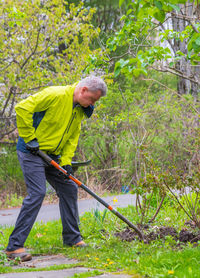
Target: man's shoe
19,253
81,244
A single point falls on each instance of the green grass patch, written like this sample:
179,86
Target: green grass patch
160,258
180,263
87,274
8,269
12,200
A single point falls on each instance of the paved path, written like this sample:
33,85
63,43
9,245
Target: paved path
51,212
47,261
61,274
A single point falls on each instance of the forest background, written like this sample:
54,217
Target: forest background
144,136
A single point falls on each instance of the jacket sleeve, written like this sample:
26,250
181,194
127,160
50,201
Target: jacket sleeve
70,147
24,112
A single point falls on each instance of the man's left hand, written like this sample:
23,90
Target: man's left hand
33,146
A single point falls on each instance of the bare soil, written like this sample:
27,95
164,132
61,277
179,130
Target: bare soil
187,234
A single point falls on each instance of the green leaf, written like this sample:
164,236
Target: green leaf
124,62
138,72
121,2
146,5
189,54
119,65
192,42
196,47
181,1
117,71
197,41
160,16
129,11
180,53
132,60
158,4
195,59
123,17
174,7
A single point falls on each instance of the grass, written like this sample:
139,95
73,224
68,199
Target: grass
87,274
108,253
12,200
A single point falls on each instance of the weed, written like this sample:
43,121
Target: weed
13,200
100,216
4,260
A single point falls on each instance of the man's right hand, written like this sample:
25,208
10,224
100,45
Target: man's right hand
33,146
69,169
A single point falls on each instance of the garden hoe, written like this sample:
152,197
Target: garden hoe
50,161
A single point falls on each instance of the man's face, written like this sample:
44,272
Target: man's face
87,97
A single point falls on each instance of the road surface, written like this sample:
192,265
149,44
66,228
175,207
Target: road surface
51,212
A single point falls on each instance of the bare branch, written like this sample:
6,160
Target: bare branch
6,103
169,89
14,89
2,135
33,52
158,209
186,18
177,73
177,199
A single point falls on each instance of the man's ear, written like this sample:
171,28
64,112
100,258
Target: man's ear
84,90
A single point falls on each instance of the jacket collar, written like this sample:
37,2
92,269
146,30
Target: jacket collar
88,110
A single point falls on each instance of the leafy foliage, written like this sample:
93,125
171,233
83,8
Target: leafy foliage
159,34
41,44
144,137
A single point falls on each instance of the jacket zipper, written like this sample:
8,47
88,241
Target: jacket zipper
67,129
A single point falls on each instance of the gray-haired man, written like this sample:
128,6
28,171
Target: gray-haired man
51,120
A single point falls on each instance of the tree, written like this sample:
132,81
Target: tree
163,35
42,43
107,14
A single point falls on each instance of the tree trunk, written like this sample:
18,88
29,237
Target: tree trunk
183,66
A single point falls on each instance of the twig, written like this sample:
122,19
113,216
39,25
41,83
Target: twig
173,91
178,201
34,51
158,209
177,73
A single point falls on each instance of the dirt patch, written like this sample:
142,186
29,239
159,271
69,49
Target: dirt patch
154,233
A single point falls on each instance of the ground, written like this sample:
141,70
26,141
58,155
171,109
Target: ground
152,233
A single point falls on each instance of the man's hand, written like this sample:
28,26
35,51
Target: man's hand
33,146
69,169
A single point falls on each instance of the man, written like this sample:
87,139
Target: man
51,120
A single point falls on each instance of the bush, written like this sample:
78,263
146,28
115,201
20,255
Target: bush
11,177
136,125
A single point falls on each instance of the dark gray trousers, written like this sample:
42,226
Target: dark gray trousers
36,172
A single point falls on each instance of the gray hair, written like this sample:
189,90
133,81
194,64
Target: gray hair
94,83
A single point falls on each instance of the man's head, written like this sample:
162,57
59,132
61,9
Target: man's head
89,90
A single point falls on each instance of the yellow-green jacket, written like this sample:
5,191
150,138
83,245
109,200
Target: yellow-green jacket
59,129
